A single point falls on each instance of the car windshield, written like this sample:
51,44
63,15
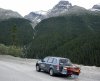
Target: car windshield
65,62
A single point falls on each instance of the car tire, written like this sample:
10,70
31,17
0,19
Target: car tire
51,72
38,68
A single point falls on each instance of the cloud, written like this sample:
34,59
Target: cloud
26,6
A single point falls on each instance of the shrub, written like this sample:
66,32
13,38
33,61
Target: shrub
10,50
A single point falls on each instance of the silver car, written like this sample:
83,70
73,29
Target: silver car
57,65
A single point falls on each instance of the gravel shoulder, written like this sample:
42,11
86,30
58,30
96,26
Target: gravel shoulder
21,69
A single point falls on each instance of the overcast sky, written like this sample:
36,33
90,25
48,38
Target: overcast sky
25,6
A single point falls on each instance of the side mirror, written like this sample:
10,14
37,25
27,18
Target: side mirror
42,60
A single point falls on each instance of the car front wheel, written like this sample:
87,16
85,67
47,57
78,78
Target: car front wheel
38,68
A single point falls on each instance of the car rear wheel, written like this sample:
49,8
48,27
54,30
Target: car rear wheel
51,72
38,68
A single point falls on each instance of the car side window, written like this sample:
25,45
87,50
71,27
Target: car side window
55,61
45,59
50,60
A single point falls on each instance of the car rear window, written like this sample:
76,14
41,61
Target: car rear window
66,62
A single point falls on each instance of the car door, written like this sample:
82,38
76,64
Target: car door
49,63
43,64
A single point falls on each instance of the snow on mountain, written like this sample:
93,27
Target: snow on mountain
58,9
34,17
61,7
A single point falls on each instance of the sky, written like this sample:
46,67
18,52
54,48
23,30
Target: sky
24,7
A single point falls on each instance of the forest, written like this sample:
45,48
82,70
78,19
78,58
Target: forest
76,37
16,30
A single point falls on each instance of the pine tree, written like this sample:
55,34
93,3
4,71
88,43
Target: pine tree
14,35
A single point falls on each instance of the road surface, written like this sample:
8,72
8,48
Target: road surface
18,69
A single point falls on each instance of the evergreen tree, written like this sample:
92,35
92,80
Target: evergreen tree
14,35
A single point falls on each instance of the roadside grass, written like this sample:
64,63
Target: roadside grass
11,50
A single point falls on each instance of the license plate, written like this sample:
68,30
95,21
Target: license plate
64,72
74,76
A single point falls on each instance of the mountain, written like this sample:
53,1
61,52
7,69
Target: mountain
6,14
58,9
16,30
76,37
96,7
61,7
32,16
76,10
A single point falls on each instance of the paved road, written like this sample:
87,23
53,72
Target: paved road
17,69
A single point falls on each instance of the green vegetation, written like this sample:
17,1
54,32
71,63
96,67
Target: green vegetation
76,37
14,35
10,50
16,31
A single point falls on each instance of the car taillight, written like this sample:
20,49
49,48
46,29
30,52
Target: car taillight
57,66
65,68
68,68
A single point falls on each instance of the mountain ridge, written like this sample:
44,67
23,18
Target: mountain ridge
6,14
